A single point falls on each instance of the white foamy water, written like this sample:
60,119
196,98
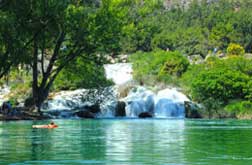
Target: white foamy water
4,91
166,103
66,100
69,102
120,73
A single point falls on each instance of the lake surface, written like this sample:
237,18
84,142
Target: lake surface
128,141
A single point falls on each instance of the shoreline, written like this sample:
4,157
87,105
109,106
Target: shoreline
37,116
23,116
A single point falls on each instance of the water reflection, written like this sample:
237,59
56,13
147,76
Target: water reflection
145,141
118,142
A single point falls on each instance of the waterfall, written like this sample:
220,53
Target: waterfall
120,73
166,103
64,104
4,91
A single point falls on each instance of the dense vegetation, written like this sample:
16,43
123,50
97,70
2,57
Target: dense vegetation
158,66
219,82
217,29
59,45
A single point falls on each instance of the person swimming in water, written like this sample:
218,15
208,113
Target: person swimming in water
51,125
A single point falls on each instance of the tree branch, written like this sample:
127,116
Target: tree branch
46,75
70,58
42,57
55,52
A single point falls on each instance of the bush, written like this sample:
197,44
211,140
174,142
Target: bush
240,109
219,81
159,66
216,82
235,49
175,65
219,84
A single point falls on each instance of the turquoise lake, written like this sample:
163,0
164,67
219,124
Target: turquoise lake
128,141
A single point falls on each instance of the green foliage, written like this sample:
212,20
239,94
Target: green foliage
60,32
240,108
140,25
55,33
158,66
12,42
235,49
248,91
81,74
188,41
219,80
200,28
176,64
219,84
19,82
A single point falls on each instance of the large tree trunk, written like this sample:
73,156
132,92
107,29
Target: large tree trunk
42,95
40,89
35,93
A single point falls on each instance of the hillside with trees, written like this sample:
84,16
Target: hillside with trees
56,45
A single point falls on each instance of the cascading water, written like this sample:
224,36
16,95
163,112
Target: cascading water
64,104
4,91
166,103
120,73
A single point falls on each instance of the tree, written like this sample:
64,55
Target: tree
13,44
58,32
219,80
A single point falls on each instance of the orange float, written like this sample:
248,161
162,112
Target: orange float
51,125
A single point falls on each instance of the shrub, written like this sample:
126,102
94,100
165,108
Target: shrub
219,84
240,109
158,66
235,49
219,80
175,65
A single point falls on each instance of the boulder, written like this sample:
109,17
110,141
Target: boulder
145,115
120,109
85,114
89,111
192,110
93,108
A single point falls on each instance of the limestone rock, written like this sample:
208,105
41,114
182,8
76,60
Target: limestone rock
192,110
145,115
120,109
85,114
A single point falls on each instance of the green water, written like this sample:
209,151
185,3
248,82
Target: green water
122,142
